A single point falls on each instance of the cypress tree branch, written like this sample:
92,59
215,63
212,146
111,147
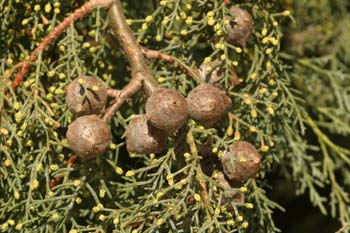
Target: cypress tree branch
56,32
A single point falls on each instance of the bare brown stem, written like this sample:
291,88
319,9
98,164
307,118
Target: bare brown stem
141,76
133,86
56,32
113,93
128,42
154,54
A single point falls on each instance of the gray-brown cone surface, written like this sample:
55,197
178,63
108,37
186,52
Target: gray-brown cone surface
86,101
240,26
167,109
143,137
241,161
88,136
229,194
207,104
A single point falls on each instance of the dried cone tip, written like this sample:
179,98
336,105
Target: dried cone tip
240,26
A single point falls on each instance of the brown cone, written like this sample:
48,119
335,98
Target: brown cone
94,101
241,161
88,136
207,104
143,137
167,109
240,26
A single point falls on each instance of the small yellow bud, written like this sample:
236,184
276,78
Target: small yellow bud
214,150
270,110
7,163
4,131
275,23
268,65
16,195
183,32
76,183
37,8
11,222
286,13
78,200
239,218
230,222
19,226
249,205
268,51
243,189
73,231
264,32
262,90
217,211
245,224
165,20
119,170
95,88
237,135
252,129
116,220
9,61
160,221
149,18
25,22
4,226
130,173
253,76
158,38
144,27
211,21
189,20
229,131
102,217
54,167
80,81
207,60
56,11
129,21
102,193
253,113
197,197
210,14
265,40
238,50
223,57
234,63
55,216
264,148
34,184
17,106
48,8
57,4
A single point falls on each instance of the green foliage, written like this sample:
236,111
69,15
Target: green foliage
291,100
